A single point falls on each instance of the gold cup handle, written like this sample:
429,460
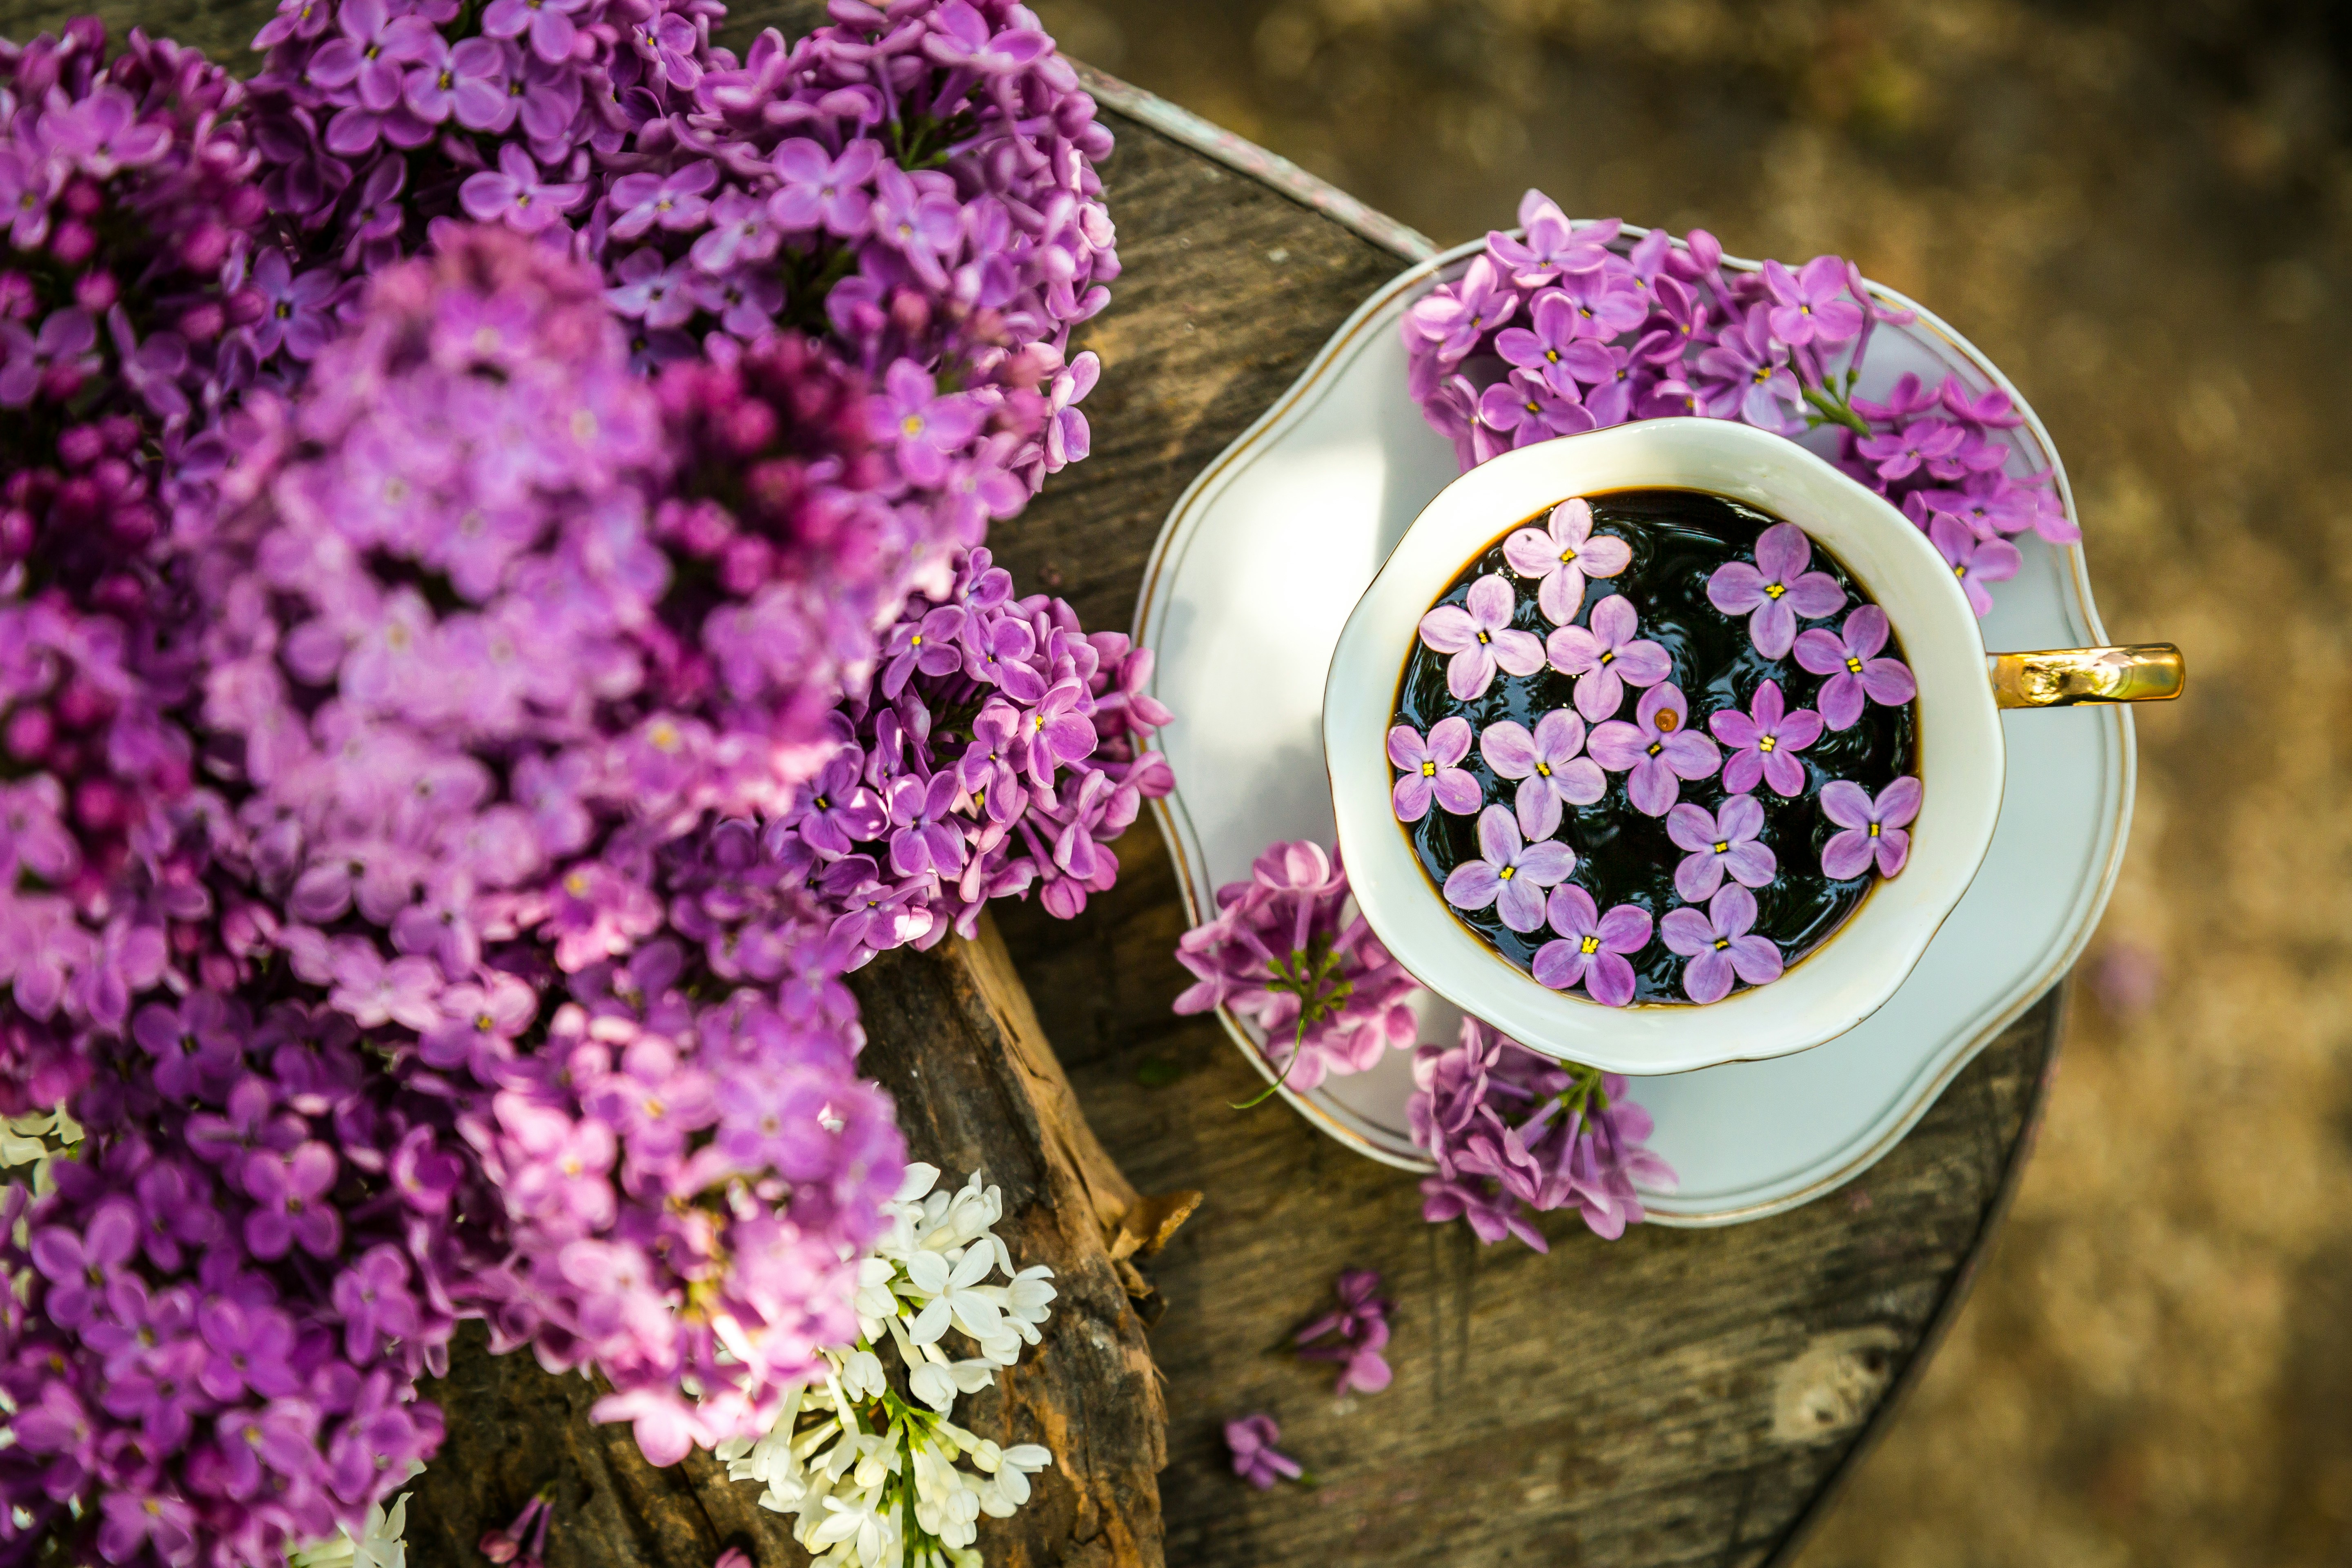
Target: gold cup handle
2066,676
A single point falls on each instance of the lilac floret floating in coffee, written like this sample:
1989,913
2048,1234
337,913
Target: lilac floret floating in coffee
1550,773
1574,828
1606,656
1561,556
1876,830
1849,657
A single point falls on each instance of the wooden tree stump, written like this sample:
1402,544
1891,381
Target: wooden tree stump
954,1038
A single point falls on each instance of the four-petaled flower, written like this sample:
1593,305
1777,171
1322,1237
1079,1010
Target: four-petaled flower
1510,874
1720,945
1806,307
1874,829
1849,656
1561,554
1764,741
1456,319
1605,657
1551,773
1432,769
1656,751
1777,589
1479,635
1593,947
516,194
1975,561
1720,841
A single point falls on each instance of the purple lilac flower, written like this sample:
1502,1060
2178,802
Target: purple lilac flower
1455,319
1510,1131
1746,374
1764,741
1720,842
1897,454
1591,948
513,193
1849,657
1657,751
1551,774
1251,1441
1875,830
1432,769
1359,1332
1557,348
1807,306
1720,945
1605,657
1510,874
1528,409
1281,954
1776,590
1561,556
1975,561
1478,634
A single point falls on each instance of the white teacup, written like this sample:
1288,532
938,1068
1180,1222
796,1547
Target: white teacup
1959,741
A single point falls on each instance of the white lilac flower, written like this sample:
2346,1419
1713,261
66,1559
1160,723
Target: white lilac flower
871,1480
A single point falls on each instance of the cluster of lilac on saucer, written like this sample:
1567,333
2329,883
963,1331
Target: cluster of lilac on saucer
1286,952
1511,1130
1522,871
1559,329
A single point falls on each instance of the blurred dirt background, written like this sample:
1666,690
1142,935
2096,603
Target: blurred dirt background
2142,210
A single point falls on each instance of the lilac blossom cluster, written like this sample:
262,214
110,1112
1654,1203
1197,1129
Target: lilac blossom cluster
226,1300
1512,1131
128,185
1284,953
1559,329
998,755
918,185
450,746
910,194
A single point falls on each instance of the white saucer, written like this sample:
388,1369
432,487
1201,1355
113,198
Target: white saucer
1253,576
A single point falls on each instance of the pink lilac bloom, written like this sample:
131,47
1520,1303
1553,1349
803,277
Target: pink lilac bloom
1720,842
1591,948
1657,751
1764,741
1777,590
1551,773
1510,874
1432,769
1849,657
1875,830
1561,556
1282,952
1478,634
1977,563
1513,1133
1605,657
1250,1440
1720,945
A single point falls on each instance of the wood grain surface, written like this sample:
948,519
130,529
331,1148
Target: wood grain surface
1675,1397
